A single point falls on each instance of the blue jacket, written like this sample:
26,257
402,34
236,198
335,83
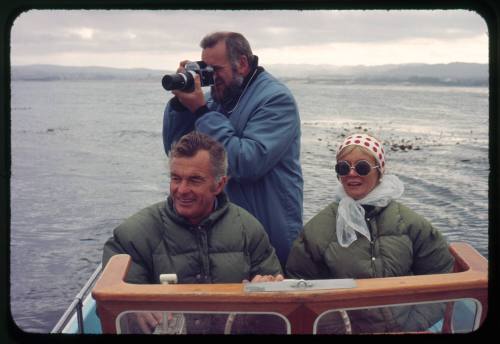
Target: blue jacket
262,140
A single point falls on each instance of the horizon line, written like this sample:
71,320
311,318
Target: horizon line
270,64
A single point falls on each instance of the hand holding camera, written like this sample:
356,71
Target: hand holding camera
183,80
187,82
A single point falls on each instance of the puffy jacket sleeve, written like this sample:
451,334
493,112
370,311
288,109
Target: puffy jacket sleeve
303,262
271,128
131,238
306,258
431,255
137,273
263,258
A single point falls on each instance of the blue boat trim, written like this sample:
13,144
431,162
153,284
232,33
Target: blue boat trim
74,319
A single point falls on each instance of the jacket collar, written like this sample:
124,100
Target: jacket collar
371,210
253,68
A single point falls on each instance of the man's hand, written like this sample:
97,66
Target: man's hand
267,278
148,321
192,100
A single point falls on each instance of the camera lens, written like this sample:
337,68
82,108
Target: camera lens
174,81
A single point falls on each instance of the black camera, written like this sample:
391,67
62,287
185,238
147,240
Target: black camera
185,81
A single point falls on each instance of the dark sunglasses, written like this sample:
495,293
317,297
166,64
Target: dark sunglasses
362,168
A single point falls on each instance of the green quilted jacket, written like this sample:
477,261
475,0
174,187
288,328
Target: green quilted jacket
403,243
230,245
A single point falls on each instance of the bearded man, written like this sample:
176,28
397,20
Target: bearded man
255,117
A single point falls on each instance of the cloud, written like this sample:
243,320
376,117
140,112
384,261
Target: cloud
64,35
384,52
84,33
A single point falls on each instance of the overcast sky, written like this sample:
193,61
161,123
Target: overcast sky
160,39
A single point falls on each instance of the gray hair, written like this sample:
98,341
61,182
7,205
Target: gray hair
236,45
191,143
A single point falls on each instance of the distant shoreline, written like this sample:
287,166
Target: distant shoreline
452,74
333,81
413,81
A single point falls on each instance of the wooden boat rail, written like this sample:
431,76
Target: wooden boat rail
468,281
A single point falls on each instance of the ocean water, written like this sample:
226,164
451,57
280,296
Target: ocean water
88,154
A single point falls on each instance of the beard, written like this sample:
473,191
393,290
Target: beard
230,94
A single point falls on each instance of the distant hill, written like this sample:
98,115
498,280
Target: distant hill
53,72
452,74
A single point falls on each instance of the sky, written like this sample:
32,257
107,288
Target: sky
160,39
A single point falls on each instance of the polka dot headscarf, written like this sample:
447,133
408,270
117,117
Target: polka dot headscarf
369,143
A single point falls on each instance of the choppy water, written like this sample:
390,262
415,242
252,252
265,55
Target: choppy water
87,154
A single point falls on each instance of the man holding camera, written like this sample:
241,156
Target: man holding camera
256,118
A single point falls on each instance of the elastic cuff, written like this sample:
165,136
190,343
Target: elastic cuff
177,105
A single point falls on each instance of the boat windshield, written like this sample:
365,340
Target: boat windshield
424,318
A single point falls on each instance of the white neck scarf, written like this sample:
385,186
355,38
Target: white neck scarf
351,215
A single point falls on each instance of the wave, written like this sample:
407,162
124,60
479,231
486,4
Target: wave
138,132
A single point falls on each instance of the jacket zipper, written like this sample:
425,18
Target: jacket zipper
203,246
372,244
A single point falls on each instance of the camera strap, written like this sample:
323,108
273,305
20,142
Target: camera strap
242,93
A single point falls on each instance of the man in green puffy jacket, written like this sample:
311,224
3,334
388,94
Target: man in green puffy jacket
196,233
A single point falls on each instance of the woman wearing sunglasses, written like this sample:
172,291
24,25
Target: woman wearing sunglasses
366,233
